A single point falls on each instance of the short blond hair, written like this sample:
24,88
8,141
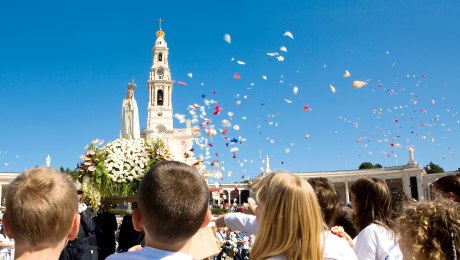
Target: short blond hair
291,222
173,200
40,206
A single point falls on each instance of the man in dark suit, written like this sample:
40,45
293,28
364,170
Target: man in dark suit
106,225
83,247
128,236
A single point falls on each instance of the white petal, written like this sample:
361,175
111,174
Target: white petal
288,34
228,38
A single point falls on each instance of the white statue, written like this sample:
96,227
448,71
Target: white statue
129,115
48,161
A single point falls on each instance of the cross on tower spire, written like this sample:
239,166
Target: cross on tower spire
160,21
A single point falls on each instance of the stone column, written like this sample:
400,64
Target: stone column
1,191
347,193
406,185
420,188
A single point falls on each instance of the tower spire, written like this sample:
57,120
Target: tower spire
160,32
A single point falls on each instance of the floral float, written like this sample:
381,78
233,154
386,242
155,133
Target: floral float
117,168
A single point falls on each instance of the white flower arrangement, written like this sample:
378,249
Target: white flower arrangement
118,167
126,160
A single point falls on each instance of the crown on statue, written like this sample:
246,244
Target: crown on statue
131,86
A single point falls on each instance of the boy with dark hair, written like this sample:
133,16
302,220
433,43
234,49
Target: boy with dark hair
173,205
41,213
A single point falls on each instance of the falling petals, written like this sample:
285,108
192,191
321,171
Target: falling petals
241,62
180,117
226,123
332,88
228,38
236,76
358,84
288,101
295,90
217,110
215,163
288,34
346,74
283,48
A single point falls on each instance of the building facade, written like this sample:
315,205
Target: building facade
410,178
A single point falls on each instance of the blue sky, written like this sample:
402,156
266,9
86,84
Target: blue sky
64,66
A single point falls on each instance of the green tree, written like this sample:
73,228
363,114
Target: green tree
369,165
433,168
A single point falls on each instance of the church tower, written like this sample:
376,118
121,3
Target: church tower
160,108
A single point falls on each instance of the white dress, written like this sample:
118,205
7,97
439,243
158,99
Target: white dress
376,243
130,120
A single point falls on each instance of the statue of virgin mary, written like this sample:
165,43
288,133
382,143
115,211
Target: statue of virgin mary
129,115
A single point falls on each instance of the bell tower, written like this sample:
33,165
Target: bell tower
160,109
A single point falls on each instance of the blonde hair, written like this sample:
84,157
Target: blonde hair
430,230
291,222
40,206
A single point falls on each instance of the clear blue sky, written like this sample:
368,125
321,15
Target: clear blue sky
64,66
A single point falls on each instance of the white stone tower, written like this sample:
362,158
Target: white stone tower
160,108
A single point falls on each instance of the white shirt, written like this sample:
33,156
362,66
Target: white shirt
376,243
150,253
334,246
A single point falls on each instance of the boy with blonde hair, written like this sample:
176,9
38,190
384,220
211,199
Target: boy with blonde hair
173,205
41,213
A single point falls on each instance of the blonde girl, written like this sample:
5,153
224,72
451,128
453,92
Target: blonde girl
290,220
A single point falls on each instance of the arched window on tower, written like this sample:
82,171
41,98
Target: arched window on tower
160,97
160,56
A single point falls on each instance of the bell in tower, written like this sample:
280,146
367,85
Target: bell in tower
160,97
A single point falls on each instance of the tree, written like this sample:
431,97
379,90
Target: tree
433,168
369,165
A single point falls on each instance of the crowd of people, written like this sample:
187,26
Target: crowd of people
293,219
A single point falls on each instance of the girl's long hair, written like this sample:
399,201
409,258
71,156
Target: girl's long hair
291,223
372,202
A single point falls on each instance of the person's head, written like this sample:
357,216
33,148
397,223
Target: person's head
42,209
173,203
328,198
134,205
447,187
430,230
79,188
399,200
289,217
346,218
371,201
